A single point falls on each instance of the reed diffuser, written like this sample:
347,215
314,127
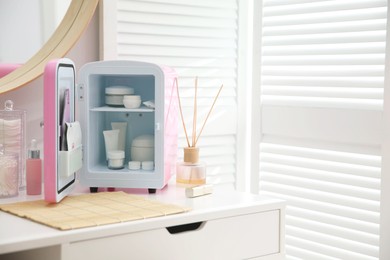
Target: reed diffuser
191,170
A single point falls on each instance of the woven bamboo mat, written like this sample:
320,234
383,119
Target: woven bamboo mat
92,210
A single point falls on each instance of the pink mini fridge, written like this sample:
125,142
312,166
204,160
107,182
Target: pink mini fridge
147,134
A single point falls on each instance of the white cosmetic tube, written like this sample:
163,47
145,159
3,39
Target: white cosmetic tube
111,138
121,126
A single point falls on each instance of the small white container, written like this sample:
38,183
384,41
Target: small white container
134,165
115,94
147,165
132,101
132,97
142,148
116,159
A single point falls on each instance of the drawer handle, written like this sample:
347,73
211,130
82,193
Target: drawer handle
184,228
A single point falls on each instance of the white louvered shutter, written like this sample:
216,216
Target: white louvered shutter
322,81
198,39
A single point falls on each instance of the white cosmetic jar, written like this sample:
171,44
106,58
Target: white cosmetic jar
142,148
115,94
147,165
134,165
132,101
116,159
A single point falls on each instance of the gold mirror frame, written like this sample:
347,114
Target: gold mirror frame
75,21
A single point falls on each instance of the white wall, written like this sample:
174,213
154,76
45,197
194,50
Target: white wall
30,96
25,25
20,24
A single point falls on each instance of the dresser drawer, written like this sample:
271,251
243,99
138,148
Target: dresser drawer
238,237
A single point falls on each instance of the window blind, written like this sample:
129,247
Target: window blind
322,82
198,39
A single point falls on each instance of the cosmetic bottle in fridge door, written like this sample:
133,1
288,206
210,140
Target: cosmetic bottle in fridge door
143,130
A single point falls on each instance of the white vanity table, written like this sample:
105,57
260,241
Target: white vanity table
223,225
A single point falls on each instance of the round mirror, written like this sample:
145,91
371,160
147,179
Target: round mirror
64,37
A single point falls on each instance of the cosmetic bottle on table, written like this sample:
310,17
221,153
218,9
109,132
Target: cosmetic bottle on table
34,170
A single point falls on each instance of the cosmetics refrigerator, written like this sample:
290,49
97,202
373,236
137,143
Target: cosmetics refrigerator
88,102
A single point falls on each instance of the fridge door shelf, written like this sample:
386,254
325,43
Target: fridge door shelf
70,162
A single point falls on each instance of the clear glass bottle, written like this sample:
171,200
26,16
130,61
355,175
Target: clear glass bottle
191,171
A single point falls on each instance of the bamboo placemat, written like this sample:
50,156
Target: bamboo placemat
92,210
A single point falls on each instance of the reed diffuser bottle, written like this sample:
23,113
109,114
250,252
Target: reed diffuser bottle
191,170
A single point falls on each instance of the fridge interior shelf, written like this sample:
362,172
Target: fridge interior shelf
142,109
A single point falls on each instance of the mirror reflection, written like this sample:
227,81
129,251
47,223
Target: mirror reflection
25,25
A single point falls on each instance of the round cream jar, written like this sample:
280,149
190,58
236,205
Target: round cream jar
115,94
147,165
134,165
142,148
116,159
132,101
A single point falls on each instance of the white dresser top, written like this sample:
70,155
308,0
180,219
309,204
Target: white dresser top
17,234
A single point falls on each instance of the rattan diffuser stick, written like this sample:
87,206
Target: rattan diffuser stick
181,113
195,113
207,117
191,152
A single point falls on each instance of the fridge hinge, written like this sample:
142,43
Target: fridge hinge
80,91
